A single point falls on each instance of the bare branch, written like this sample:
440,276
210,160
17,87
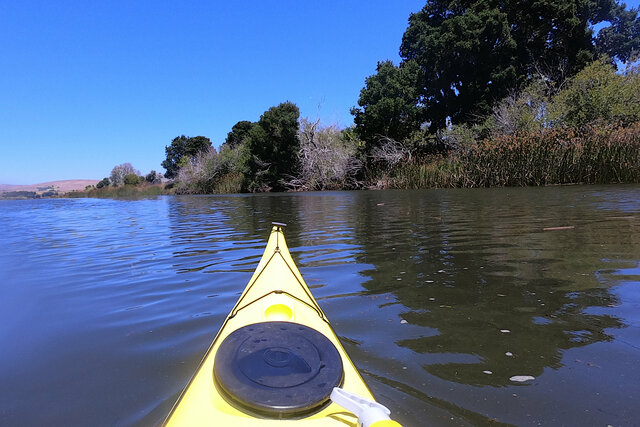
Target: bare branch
390,151
327,160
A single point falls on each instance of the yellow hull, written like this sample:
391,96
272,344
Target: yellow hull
276,292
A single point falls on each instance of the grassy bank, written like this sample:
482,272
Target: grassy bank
603,154
594,155
121,191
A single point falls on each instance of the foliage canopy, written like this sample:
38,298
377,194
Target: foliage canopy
183,147
132,179
461,57
103,183
389,97
239,133
273,146
153,177
119,172
598,93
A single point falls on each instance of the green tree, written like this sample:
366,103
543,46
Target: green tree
273,146
132,179
239,133
104,183
598,93
119,172
388,102
180,148
622,38
473,53
153,177
467,56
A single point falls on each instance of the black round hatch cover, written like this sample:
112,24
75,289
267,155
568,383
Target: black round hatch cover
278,368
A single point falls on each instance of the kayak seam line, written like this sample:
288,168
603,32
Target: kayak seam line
235,309
304,287
233,312
306,290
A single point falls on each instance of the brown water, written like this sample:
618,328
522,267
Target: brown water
440,297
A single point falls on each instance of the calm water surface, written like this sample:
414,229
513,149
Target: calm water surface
440,297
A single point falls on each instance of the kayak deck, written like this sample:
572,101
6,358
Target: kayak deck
276,293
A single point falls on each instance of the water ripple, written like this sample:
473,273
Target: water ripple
440,297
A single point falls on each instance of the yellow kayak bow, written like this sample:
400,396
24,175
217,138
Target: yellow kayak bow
275,360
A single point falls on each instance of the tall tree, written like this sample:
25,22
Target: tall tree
274,145
239,133
182,147
472,53
120,171
622,38
153,177
467,55
387,104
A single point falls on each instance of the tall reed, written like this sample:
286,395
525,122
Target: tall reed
605,154
121,191
431,172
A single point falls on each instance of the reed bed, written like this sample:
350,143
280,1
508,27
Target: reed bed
592,155
431,172
120,192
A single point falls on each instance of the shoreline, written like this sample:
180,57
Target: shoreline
43,189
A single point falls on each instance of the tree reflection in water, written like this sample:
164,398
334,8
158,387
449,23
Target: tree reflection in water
505,296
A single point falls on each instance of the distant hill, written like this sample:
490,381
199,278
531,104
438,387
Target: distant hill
44,188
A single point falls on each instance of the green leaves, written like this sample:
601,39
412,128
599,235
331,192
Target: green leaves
388,102
104,183
183,147
598,93
132,179
256,156
239,133
466,54
462,57
119,172
622,38
273,145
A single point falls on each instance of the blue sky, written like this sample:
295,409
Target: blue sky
86,85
